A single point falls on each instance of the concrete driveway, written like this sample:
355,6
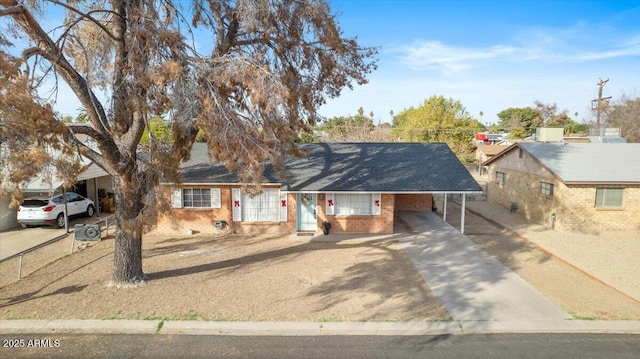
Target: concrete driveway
470,283
18,239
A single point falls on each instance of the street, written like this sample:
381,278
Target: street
201,346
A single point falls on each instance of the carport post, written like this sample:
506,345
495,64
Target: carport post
464,203
444,210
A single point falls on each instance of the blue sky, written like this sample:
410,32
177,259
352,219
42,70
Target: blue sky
492,55
489,55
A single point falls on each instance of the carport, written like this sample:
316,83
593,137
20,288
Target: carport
95,177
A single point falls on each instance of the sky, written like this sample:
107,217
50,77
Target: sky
492,55
489,55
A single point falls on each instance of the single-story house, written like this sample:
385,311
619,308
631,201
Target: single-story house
485,153
569,186
356,187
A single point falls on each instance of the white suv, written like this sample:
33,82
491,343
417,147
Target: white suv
50,210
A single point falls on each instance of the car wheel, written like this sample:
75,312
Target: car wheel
90,211
60,220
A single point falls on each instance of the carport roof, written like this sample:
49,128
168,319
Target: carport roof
352,167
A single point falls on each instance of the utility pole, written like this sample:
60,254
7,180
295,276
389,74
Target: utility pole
600,103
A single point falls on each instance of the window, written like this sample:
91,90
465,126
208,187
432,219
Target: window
353,204
500,177
201,197
264,207
73,197
546,188
609,197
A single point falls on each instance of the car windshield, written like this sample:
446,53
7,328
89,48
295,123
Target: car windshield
35,203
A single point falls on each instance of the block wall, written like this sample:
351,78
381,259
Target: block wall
573,205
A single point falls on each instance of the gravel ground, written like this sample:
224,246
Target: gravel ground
610,256
576,292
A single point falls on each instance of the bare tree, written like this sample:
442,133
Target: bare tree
358,128
625,114
272,63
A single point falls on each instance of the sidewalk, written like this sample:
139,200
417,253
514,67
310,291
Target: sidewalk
611,257
314,328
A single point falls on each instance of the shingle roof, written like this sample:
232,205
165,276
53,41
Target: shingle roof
354,167
491,150
589,163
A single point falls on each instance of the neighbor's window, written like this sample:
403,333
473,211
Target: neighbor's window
201,197
609,197
353,204
500,177
546,188
264,207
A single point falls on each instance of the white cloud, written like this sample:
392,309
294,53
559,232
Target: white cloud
570,45
428,55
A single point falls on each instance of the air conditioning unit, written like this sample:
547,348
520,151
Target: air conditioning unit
86,232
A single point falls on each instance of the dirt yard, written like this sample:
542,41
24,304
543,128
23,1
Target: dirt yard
232,277
573,290
240,278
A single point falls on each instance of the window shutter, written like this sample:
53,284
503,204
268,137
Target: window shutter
376,204
176,197
283,207
215,198
331,205
236,198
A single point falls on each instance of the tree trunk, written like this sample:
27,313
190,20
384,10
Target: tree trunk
127,255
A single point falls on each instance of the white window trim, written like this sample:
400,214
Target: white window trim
237,203
332,205
177,195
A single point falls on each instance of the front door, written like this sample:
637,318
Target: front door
307,212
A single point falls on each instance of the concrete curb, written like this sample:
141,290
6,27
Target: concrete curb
314,328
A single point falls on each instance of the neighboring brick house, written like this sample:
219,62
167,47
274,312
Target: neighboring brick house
485,153
570,186
357,187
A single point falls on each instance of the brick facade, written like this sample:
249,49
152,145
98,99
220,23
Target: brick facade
382,223
201,219
573,205
414,202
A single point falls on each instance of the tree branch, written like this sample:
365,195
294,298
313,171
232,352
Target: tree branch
48,50
11,10
86,16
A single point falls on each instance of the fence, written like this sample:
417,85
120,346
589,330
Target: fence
53,255
481,196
